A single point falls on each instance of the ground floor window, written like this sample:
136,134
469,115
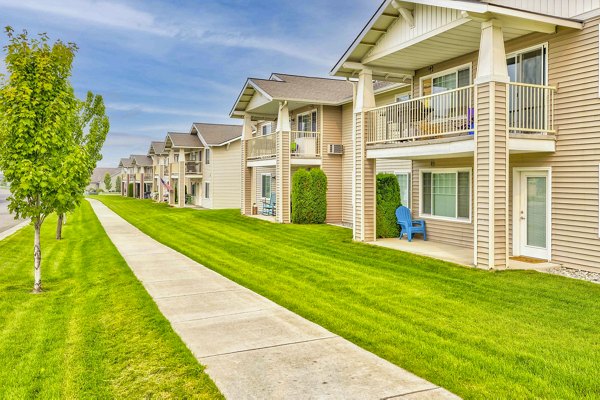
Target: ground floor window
266,186
207,190
404,183
446,193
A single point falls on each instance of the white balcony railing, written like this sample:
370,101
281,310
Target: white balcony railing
305,144
530,108
193,167
261,147
438,115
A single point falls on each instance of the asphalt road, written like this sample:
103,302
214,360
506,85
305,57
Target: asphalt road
6,219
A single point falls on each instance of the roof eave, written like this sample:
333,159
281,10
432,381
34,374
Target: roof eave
458,5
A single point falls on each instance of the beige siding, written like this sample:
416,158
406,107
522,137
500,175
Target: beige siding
347,158
347,163
331,123
257,184
450,232
226,175
560,8
573,66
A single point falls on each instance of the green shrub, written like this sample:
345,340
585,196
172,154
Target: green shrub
309,196
388,199
130,190
300,198
319,195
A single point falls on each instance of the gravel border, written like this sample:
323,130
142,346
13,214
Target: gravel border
593,277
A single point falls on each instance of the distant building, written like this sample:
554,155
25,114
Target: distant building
97,180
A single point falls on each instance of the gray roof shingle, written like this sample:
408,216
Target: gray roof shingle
142,160
216,134
184,140
157,147
294,87
99,173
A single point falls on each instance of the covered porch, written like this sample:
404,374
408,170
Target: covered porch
456,254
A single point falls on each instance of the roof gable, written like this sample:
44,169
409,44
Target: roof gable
217,134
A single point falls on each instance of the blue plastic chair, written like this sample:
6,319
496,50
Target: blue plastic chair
269,208
408,225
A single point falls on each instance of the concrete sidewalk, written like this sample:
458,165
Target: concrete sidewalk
252,347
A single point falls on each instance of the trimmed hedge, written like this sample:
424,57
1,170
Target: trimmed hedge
309,196
388,199
130,190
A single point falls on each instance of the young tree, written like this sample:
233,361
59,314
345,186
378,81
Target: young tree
89,130
107,182
37,105
118,184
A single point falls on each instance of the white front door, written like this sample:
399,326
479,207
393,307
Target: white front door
533,214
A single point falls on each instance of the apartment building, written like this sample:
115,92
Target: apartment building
293,122
501,124
97,179
137,171
202,165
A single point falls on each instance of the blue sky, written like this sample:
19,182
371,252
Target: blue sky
163,65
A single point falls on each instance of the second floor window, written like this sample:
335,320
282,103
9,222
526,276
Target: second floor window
307,122
265,129
207,156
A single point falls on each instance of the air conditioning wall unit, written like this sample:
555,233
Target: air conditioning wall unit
335,149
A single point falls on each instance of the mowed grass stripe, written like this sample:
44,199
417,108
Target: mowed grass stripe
481,334
94,332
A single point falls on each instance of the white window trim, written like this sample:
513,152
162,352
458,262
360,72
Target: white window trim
449,171
398,95
314,110
446,72
409,173
262,133
270,184
531,48
207,159
206,193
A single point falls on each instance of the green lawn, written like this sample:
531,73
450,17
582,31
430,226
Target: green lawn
94,332
480,334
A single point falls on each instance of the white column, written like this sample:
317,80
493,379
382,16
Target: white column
246,205
365,97
283,164
491,156
491,64
364,169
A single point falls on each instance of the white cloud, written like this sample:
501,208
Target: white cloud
149,109
107,13
211,29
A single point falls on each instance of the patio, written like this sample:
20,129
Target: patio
456,254
441,251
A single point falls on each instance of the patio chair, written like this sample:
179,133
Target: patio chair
268,207
408,225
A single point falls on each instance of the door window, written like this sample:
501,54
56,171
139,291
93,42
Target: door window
536,211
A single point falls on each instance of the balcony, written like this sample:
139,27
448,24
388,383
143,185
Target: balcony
436,116
530,109
174,168
193,167
262,147
303,144
443,124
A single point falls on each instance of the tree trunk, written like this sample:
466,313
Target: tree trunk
59,226
37,257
